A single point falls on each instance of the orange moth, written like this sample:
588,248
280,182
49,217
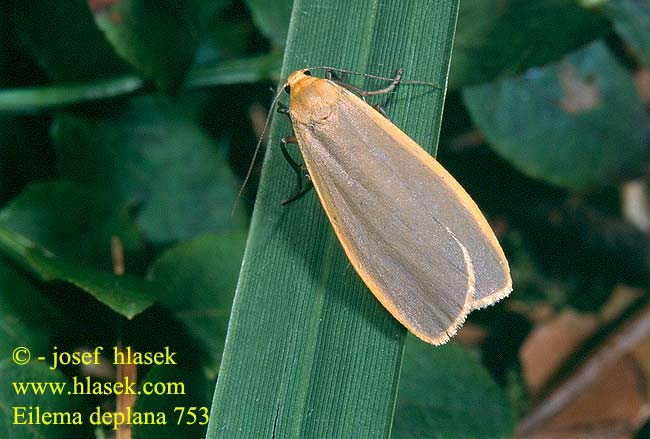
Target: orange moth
412,233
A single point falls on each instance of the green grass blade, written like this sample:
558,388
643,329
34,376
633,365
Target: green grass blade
48,97
310,353
237,71
33,99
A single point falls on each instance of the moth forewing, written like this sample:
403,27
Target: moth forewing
412,233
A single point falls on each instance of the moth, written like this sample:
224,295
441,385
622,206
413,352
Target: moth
411,232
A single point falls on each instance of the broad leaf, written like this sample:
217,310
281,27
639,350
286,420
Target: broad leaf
631,20
71,221
272,18
26,317
446,394
576,123
126,295
201,276
151,158
500,38
157,38
65,40
59,232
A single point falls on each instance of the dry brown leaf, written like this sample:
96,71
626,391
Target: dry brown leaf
606,396
620,300
613,407
551,344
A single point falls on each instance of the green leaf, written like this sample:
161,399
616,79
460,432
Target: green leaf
631,20
238,71
204,11
15,407
227,37
71,221
241,71
310,352
64,39
29,99
445,393
157,37
126,295
565,123
152,157
272,18
57,230
497,38
26,317
201,276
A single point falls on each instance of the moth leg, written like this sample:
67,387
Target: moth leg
364,93
283,147
338,78
282,108
297,168
391,86
299,192
353,88
381,111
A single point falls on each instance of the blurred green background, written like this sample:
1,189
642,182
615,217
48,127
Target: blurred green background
137,120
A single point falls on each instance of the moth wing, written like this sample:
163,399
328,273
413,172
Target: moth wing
409,229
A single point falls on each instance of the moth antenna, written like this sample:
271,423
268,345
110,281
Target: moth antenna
276,98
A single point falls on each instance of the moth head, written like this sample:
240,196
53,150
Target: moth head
297,80
312,98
